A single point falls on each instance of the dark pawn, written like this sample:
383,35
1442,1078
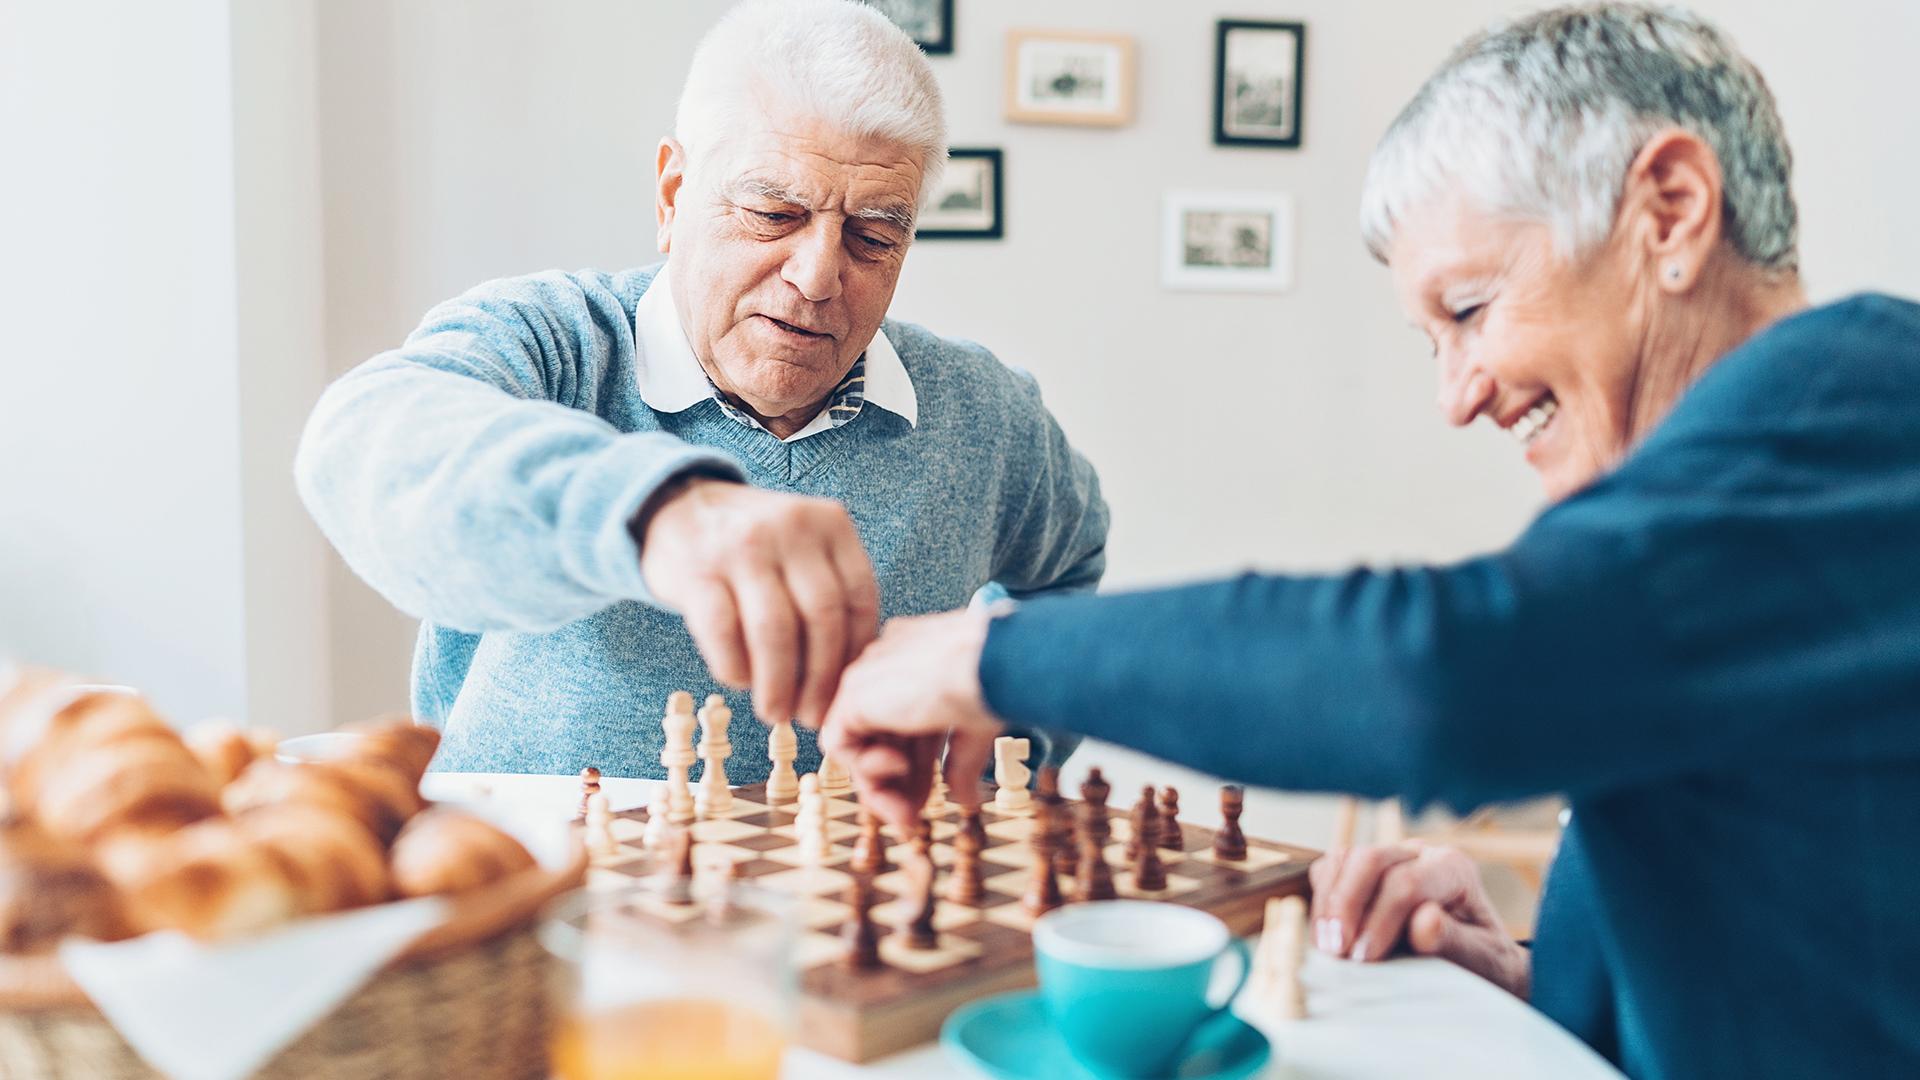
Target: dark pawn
1230,843
861,936
870,851
678,886
1094,792
1043,892
589,787
920,932
1172,836
1149,874
968,843
1146,823
1093,879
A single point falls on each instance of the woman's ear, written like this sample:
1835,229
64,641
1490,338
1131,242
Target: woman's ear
670,175
1672,201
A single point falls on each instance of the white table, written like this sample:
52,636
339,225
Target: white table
1406,1017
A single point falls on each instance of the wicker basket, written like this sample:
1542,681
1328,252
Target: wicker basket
469,1000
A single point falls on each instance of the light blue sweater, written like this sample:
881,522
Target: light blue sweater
483,475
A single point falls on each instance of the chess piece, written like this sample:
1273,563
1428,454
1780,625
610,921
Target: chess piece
715,748
657,823
1145,822
810,824
1172,836
1093,878
782,748
861,936
1275,984
1043,890
678,756
601,843
676,867
920,932
870,851
1046,783
1148,873
1094,791
937,802
1230,843
834,777
1064,852
968,843
1010,774
589,786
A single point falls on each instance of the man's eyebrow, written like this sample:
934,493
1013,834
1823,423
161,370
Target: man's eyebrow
764,189
899,215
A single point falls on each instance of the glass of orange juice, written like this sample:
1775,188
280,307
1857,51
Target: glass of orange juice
656,982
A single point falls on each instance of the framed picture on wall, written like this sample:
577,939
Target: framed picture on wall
966,206
1258,68
928,22
1227,241
1069,77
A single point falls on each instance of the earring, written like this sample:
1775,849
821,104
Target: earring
1673,271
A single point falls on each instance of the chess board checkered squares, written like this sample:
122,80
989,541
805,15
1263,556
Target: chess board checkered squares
949,951
1258,858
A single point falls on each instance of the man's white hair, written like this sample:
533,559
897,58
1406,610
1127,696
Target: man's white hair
839,61
1541,117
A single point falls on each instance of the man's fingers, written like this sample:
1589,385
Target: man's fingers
714,623
857,586
773,641
967,754
1351,894
816,591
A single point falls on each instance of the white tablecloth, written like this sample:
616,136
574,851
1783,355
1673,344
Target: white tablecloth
1403,1018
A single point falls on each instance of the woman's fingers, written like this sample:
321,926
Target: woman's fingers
1351,892
1402,888
1486,951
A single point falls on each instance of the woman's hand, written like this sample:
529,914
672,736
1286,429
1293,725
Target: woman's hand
1369,901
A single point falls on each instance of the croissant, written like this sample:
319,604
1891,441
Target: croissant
375,794
209,880
223,748
399,742
448,851
140,783
50,890
334,862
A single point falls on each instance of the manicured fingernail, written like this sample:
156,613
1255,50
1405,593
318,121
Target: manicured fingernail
1360,947
1320,934
1335,935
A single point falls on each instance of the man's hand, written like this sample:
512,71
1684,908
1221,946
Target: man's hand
1368,900
916,688
776,589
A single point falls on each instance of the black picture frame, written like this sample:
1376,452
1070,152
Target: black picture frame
943,46
996,191
1224,129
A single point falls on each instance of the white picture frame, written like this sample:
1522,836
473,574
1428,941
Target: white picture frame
1227,241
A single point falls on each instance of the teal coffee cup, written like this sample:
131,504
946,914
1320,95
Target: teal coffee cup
1127,981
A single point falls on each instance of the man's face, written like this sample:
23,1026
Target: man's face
786,243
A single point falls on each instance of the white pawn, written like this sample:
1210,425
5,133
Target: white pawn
601,843
782,748
715,749
1010,775
1275,986
834,777
678,755
658,813
810,825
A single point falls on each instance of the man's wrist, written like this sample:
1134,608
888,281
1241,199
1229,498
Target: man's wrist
657,500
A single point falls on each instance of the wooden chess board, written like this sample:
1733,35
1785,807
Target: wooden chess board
984,949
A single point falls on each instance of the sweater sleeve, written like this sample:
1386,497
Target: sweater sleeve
1741,591
465,475
1053,535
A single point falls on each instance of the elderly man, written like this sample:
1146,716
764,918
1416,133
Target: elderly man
584,483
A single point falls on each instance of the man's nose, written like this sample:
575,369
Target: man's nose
1465,389
817,260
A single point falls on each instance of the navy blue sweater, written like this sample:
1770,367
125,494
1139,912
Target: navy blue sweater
1713,653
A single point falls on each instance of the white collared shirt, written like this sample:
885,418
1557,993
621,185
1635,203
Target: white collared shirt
672,380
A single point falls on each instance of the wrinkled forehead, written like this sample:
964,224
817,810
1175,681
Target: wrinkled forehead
813,164
1446,239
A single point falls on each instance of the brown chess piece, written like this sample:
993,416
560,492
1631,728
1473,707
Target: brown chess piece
1043,891
860,934
1062,818
1093,878
1148,873
1046,782
1145,820
1172,836
1093,792
1230,843
677,867
870,850
589,787
968,843
920,932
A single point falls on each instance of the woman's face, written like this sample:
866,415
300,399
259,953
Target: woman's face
1550,351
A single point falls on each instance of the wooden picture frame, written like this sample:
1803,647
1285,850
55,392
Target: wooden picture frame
911,16
969,204
1259,69
1069,77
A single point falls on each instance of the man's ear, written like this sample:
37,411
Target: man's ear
1672,200
670,176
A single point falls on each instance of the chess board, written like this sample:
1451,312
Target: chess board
862,1015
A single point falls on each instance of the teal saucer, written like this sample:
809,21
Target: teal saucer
1011,1037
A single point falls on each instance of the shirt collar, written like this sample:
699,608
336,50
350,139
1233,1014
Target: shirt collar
672,380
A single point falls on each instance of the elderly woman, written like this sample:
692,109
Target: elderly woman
1709,642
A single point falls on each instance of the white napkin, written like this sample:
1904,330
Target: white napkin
220,1012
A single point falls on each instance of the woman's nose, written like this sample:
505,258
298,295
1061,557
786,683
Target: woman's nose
1465,390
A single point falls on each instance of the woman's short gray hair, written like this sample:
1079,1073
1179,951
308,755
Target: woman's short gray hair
1542,116
836,60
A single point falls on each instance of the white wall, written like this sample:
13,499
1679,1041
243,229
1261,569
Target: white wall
464,140
145,530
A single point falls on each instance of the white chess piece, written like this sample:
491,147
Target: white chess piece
834,777
782,748
715,749
1274,988
1010,775
810,825
658,813
601,843
678,755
